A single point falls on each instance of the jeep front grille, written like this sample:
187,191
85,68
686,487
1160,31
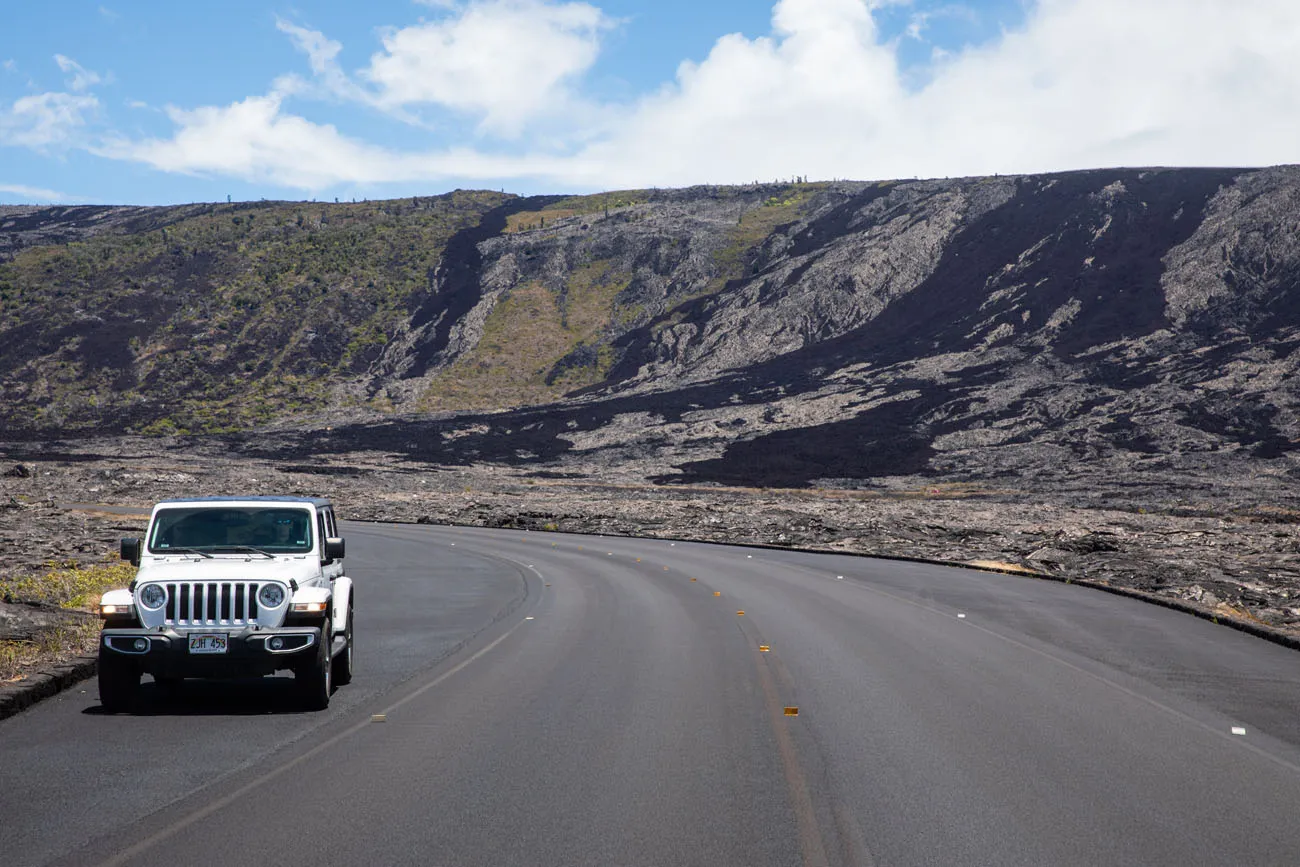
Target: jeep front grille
211,603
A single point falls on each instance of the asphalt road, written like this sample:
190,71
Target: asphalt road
563,700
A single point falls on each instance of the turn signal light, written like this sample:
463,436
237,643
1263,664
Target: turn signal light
309,607
114,610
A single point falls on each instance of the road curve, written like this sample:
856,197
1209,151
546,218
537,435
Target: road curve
567,700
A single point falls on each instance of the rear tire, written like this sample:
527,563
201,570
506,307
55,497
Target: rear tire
315,680
343,662
119,682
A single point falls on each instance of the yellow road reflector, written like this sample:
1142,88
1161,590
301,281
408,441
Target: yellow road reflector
692,579
548,585
665,568
638,559
792,711
717,592
379,717
740,614
579,547
763,648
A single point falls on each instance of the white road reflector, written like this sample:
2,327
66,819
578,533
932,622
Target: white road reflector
1238,730
672,544
839,577
529,617
379,717
961,616
749,556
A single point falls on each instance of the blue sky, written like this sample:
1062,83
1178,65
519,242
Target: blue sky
146,102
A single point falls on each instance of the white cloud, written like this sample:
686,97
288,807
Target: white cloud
36,194
82,78
254,141
1081,83
505,62
45,121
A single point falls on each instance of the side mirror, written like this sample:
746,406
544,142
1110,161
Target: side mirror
333,550
131,551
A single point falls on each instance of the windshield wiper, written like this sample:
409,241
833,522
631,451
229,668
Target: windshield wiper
265,554
189,551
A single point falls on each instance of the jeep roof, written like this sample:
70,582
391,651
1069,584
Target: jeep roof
315,501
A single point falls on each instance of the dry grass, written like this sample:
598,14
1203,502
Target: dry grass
19,659
527,220
1002,566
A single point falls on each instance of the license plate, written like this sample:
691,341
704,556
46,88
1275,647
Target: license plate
208,643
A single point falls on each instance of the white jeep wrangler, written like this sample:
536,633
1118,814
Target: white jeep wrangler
230,587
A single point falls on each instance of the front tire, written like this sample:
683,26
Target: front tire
315,680
343,662
119,682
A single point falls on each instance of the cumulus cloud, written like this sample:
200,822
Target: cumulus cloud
255,141
1079,83
505,62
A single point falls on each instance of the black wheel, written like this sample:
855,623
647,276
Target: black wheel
119,682
314,680
343,662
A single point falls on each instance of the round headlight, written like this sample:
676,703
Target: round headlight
153,596
271,595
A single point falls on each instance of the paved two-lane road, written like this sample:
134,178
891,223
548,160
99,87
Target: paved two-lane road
563,700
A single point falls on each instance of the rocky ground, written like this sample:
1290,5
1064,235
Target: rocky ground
70,502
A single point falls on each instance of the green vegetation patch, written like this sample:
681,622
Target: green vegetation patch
229,315
68,585
529,331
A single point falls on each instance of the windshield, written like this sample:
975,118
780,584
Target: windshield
232,528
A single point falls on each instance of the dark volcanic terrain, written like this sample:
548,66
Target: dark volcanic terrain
1087,374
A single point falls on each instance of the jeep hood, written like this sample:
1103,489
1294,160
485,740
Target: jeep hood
228,568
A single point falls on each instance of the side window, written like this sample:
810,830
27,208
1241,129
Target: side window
320,528
329,523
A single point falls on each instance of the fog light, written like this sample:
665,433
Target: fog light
276,643
141,645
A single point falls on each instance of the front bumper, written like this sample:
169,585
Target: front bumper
248,651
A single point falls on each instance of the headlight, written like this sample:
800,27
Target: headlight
152,596
271,595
